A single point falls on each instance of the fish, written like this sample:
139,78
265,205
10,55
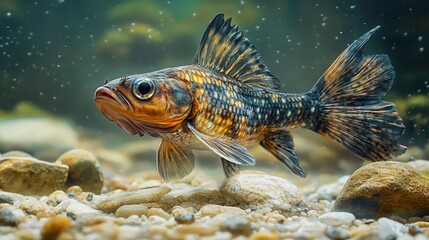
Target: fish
228,100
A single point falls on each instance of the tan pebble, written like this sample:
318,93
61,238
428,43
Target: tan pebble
213,210
197,229
52,228
74,189
152,205
128,210
264,236
422,224
158,229
84,170
156,219
158,212
178,210
106,230
58,196
114,201
36,208
29,176
426,218
117,183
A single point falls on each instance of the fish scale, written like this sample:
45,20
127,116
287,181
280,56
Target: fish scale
243,113
228,100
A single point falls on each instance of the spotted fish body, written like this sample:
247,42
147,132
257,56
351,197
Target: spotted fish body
228,100
242,113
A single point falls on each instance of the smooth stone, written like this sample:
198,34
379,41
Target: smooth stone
128,210
256,191
186,195
30,176
112,202
390,226
385,189
158,212
337,219
237,225
185,218
84,170
213,210
52,228
197,229
78,208
8,218
336,233
43,137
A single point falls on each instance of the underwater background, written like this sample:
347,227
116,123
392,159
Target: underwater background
68,172
54,54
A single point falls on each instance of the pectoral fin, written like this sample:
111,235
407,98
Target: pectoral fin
280,144
174,161
225,149
230,169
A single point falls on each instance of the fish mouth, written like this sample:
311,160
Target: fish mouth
112,96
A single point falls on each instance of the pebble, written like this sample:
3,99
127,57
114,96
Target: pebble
128,210
112,202
84,170
158,212
213,210
391,227
237,225
8,218
78,208
185,218
337,219
34,207
55,226
336,233
197,229
256,191
384,189
29,176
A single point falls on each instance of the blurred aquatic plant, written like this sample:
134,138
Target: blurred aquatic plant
26,109
141,29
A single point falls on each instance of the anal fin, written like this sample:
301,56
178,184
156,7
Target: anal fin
230,169
228,150
280,144
174,161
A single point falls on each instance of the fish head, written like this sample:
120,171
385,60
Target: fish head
146,103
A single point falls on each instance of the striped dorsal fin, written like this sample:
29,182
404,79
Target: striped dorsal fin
224,48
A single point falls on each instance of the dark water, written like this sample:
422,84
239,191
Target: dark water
54,54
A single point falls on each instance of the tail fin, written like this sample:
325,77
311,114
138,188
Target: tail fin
351,112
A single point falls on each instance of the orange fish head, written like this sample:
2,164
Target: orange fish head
145,103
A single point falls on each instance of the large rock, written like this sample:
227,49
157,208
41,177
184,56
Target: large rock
84,170
256,192
31,176
385,189
44,138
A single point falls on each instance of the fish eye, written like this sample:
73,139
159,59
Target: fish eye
143,88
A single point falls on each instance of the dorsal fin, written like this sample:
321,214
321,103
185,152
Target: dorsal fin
225,49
